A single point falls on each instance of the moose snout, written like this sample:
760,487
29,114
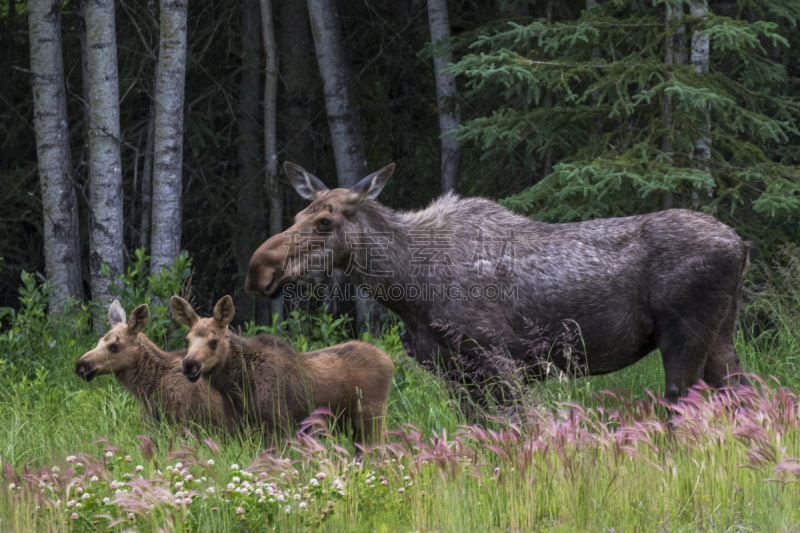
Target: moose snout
254,284
192,369
85,370
265,271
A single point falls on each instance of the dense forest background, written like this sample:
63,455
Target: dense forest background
562,111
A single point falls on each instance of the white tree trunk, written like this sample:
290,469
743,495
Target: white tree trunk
59,201
340,100
343,121
699,58
105,165
271,133
449,113
165,243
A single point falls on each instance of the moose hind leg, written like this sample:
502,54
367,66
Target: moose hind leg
722,359
685,346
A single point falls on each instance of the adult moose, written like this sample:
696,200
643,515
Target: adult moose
670,280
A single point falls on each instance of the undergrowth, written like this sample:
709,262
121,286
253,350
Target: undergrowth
579,460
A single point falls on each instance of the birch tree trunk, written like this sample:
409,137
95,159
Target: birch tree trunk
59,201
449,113
340,100
250,227
343,120
165,243
105,165
699,58
271,133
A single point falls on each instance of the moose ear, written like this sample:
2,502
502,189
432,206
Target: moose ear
370,187
182,311
223,311
306,185
139,319
116,314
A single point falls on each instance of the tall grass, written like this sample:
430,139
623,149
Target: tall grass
581,461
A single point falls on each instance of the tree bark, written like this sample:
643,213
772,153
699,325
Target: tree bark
449,113
147,180
9,45
699,58
666,141
271,133
340,100
343,120
250,227
401,100
165,243
105,165
59,201
295,49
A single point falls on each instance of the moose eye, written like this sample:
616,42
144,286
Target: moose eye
213,344
325,224
114,348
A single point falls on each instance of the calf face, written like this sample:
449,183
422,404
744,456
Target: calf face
117,350
208,340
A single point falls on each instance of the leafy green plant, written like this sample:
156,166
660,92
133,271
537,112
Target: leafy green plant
138,285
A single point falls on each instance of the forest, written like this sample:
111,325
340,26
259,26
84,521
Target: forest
142,152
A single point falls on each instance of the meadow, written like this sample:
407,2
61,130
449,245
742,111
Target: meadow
589,454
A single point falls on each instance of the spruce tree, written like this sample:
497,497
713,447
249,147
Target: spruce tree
642,105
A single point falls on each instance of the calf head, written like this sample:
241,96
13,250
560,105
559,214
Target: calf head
117,350
208,338
317,242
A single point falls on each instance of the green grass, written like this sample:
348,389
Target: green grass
600,482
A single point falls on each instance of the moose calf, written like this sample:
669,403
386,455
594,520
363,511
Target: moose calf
152,375
272,385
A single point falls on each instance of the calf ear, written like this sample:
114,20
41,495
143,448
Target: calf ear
223,311
182,311
370,187
306,185
116,314
139,319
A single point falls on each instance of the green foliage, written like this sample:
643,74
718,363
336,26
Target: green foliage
590,92
307,332
675,489
138,285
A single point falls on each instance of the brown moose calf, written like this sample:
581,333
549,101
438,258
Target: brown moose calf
152,375
272,385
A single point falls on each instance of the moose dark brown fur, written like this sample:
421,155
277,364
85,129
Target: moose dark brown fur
152,375
625,286
272,385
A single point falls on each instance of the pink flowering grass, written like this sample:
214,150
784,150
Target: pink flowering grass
717,461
